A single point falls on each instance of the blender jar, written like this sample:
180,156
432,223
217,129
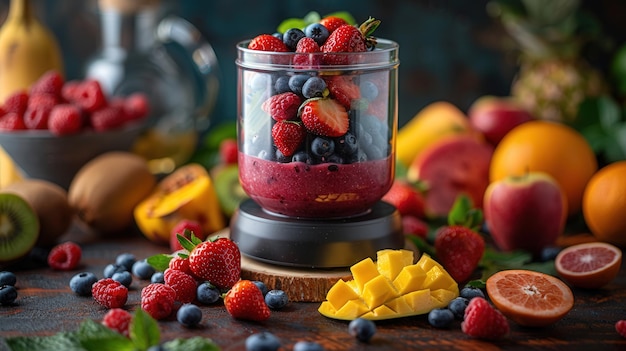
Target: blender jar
337,170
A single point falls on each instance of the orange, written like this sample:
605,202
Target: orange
589,265
549,147
604,202
530,298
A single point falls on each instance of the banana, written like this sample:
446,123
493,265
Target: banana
27,49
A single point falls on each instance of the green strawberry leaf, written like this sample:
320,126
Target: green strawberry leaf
463,213
159,262
144,330
494,261
187,244
421,244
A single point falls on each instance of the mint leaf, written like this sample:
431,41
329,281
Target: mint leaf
196,343
60,341
94,336
144,330
159,262
291,23
463,213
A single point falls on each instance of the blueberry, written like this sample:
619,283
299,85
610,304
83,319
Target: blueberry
189,315
346,145
307,346
281,85
470,292
127,260
276,299
125,278
207,293
113,268
278,35
457,306
313,87
143,270
157,277
302,156
261,286
81,283
322,147
317,32
8,278
362,329
297,81
292,36
369,90
8,294
549,253
263,341
440,317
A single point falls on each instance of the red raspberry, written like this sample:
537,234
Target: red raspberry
107,118
282,106
620,326
158,300
12,121
136,106
118,320
483,321
38,111
90,96
109,293
69,91
65,256
50,82
65,119
180,264
185,227
184,284
228,151
16,102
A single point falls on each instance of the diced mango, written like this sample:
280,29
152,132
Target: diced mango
426,262
383,311
363,271
352,309
438,278
390,262
411,278
327,309
340,293
399,305
378,291
444,296
418,300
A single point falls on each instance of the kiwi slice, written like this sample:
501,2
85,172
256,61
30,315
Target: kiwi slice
228,189
19,227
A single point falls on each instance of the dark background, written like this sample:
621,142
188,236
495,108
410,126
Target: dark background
449,49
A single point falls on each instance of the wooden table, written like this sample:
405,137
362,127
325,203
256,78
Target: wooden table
46,305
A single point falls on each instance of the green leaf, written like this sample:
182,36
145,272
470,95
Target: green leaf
187,244
144,330
463,213
60,341
291,23
312,17
118,343
159,262
195,240
422,245
195,343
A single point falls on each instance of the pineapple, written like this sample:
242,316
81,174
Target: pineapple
553,77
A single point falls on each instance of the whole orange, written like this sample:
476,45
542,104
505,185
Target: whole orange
604,204
549,147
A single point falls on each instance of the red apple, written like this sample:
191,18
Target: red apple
495,116
525,212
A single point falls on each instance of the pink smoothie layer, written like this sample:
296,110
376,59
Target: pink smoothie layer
316,191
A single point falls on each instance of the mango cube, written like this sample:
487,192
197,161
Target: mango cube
400,306
378,291
390,262
352,309
411,278
419,300
364,271
340,293
426,262
438,278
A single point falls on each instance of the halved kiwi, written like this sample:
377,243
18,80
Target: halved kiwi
19,227
228,189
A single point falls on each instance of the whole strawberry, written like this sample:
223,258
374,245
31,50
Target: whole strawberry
459,249
218,261
267,42
288,136
483,321
407,199
348,38
245,301
332,22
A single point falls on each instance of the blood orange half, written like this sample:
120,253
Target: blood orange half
530,298
589,265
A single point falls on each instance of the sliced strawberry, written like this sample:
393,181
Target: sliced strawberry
332,22
288,136
323,116
282,106
344,90
459,249
267,42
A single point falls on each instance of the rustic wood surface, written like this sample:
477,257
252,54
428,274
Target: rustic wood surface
46,305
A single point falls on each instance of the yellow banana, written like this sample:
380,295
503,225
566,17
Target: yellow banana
27,49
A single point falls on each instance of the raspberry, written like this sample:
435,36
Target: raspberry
184,284
158,300
620,327
282,106
36,116
180,264
16,102
50,82
107,118
65,256
90,96
109,293
228,151
118,320
12,121
180,228
136,106
69,91
483,321
65,119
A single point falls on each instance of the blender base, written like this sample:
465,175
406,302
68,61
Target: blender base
312,242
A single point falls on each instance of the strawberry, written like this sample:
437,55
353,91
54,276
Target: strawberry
228,151
348,38
344,90
288,135
406,198
332,22
218,261
302,59
412,225
267,42
65,119
483,321
282,106
245,301
325,117
459,249
12,121
620,327
50,82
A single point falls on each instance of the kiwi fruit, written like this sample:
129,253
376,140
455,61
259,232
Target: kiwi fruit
19,227
228,188
51,205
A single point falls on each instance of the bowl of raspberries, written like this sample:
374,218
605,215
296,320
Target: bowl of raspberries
56,126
